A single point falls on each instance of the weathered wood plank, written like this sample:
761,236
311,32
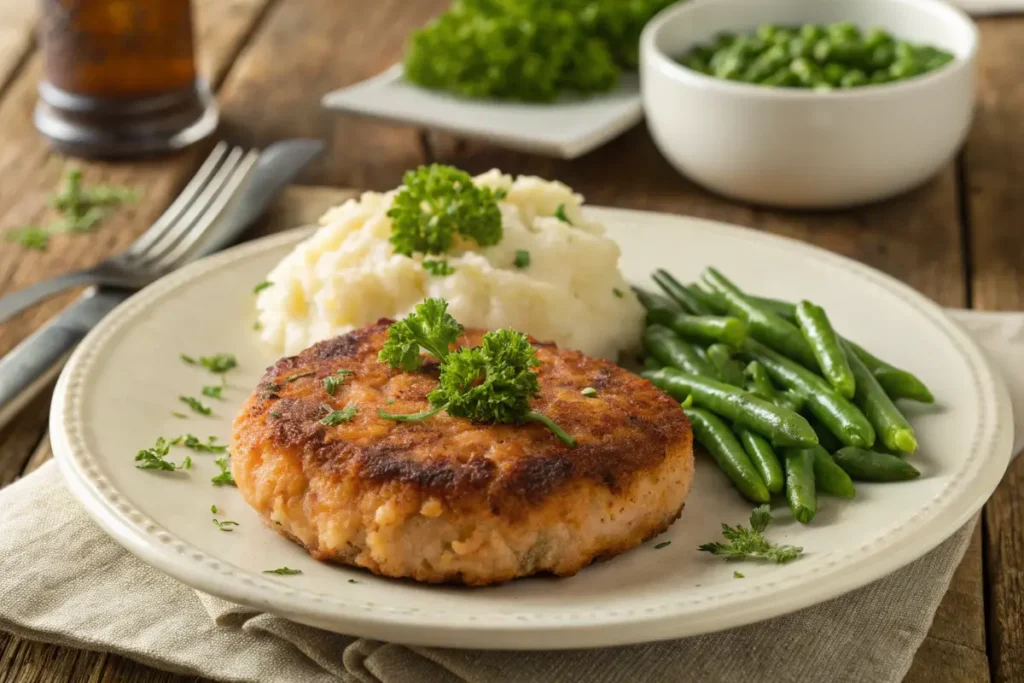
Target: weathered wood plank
307,48
17,21
994,171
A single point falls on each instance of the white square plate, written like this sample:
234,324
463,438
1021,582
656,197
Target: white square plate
566,128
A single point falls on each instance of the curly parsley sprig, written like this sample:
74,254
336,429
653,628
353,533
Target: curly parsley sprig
435,204
493,382
747,544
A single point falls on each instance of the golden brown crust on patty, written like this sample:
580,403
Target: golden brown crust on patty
623,430
495,501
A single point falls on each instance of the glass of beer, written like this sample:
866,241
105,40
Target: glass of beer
120,78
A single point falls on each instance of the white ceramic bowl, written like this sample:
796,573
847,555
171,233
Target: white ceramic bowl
800,148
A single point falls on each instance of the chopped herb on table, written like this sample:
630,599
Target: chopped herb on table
81,209
437,203
283,571
224,478
750,544
490,383
196,405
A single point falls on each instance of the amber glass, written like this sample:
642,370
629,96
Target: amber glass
118,48
121,74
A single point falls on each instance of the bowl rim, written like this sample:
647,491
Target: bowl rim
650,51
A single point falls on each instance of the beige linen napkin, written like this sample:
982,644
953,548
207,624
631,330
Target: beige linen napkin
63,580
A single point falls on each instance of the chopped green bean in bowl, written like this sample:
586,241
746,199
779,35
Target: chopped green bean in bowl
832,56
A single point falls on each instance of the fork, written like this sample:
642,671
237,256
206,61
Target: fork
168,242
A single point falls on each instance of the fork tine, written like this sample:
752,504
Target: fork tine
206,218
180,204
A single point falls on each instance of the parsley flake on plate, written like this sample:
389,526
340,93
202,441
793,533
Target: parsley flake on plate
333,418
226,525
196,405
213,509
750,544
283,571
155,458
738,575
221,362
261,286
213,391
663,544
618,292
589,392
224,478
193,443
522,259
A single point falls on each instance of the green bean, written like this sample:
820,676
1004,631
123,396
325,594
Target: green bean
800,483
761,385
824,342
716,437
651,301
764,459
680,294
729,370
825,438
783,309
829,477
763,325
664,345
864,465
710,300
896,382
781,426
892,428
702,329
840,416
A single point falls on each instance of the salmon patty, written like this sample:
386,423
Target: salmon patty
447,500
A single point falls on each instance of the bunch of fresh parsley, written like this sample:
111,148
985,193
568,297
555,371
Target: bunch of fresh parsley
493,382
435,204
528,49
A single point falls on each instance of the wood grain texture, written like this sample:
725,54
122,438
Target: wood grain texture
32,171
307,48
17,21
994,172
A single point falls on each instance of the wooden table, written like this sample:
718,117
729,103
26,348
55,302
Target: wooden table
959,239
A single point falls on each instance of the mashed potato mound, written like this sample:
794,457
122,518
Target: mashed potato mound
347,275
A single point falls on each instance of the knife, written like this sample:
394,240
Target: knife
35,361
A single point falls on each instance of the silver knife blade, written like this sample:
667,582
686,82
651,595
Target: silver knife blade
26,369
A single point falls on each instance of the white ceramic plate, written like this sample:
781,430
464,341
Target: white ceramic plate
119,389
566,128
